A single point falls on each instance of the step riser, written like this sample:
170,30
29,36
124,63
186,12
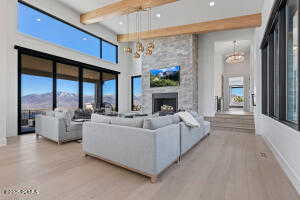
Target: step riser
250,131
239,121
233,125
246,117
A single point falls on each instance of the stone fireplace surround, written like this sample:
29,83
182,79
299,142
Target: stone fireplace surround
173,51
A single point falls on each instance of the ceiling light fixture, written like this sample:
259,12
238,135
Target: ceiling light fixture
212,4
38,19
158,15
139,48
120,23
236,56
84,38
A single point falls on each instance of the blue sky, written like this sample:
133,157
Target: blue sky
157,71
40,85
237,91
42,26
46,28
137,89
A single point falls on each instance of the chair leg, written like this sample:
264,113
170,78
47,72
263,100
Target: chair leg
153,179
37,135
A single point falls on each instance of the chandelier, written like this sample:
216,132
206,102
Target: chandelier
236,56
139,47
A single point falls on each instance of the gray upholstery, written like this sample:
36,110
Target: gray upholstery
56,129
191,136
149,151
131,122
142,149
158,122
100,118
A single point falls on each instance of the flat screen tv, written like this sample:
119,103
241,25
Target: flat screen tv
165,77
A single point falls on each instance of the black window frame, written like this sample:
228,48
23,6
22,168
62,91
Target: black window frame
132,89
76,27
56,59
278,17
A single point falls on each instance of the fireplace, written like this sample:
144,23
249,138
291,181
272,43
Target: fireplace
160,99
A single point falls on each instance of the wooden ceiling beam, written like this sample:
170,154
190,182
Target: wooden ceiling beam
119,8
246,21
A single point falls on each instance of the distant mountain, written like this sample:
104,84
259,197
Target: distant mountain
137,99
64,99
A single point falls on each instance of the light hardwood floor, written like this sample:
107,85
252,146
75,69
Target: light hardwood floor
224,166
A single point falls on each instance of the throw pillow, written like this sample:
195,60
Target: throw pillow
188,119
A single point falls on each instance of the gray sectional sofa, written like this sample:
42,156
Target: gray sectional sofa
144,145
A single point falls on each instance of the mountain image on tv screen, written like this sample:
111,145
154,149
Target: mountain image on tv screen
165,77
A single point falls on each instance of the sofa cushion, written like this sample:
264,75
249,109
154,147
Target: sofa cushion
100,118
158,122
131,122
198,117
188,119
176,119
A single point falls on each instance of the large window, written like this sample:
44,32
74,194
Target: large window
292,60
136,93
46,27
47,82
109,52
36,90
109,91
67,86
280,64
91,88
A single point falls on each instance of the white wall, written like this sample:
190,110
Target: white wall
218,72
3,74
16,38
283,140
206,69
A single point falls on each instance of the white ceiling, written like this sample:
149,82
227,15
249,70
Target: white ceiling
173,14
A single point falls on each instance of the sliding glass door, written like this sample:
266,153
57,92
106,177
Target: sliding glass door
47,82
36,90
67,95
109,90
91,89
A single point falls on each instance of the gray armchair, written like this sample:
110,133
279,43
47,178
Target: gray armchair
57,126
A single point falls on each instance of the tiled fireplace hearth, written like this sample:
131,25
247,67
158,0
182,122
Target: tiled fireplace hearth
160,99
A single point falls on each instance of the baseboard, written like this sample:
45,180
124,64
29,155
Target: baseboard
2,142
289,171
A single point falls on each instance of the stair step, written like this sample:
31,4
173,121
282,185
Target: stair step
233,120
231,116
239,130
233,125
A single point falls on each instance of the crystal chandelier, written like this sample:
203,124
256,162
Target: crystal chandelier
236,56
139,48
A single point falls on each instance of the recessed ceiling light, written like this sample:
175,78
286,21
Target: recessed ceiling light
212,4
121,23
157,15
38,19
84,38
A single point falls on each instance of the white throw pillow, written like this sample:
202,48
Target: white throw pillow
188,119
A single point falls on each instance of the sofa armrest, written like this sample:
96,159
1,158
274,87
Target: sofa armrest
49,127
167,146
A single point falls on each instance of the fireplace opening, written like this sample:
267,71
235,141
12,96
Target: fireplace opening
160,99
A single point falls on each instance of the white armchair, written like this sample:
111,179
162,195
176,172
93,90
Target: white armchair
57,126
